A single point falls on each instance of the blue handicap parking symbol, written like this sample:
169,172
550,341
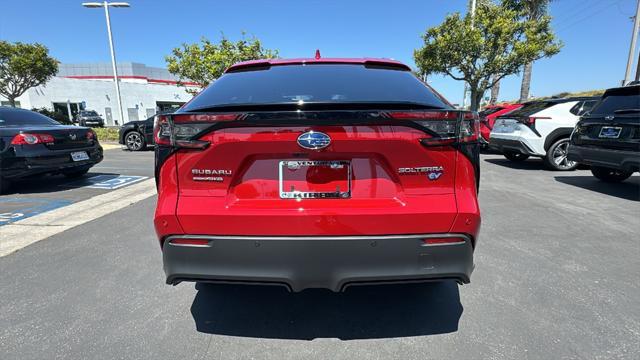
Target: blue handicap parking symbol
14,209
106,182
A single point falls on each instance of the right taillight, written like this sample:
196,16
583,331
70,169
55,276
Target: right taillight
449,127
182,130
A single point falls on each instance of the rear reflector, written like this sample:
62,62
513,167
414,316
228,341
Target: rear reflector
443,241
189,241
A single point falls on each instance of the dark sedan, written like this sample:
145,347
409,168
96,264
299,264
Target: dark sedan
136,135
608,138
32,144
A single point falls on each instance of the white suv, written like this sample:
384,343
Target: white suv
540,128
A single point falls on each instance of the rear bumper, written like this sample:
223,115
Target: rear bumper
47,162
610,158
502,145
318,262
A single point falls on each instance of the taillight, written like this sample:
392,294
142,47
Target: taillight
181,130
531,120
91,135
451,127
32,139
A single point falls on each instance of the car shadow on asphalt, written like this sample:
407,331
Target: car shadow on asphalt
529,164
628,189
50,183
362,312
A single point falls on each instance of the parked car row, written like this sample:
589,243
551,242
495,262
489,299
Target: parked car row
602,132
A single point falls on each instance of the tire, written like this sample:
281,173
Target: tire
134,141
76,173
515,156
610,175
556,158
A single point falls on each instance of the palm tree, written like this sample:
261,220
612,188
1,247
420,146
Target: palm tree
532,10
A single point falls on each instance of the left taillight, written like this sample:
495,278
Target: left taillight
32,139
182,130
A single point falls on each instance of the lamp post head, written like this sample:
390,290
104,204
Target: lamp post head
97,4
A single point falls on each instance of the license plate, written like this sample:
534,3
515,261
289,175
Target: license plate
79,156
504,126
610,132
315,179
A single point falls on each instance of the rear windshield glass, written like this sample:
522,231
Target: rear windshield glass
529,109
610,104
489,111
12,117
319,83
88,113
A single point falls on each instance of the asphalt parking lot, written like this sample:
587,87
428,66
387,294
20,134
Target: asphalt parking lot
556,278
34,196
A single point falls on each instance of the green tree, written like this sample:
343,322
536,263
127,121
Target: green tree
484,49
204,62
23,66
528,10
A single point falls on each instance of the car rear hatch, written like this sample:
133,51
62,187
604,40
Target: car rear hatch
614,122
372,172
524,116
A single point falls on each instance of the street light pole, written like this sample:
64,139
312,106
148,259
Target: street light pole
106,5
472,9
632,47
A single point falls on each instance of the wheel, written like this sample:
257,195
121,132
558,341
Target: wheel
556,158
610,175
134,141
515,156
76,173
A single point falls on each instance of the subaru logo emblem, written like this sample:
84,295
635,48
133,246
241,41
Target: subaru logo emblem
609,117
314,140
73,136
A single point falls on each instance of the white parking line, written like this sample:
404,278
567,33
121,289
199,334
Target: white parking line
17,235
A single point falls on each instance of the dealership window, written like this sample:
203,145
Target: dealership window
6,103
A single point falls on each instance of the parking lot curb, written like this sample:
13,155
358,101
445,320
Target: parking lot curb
22,233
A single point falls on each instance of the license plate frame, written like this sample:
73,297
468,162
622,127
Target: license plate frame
616,135
79,156
296,194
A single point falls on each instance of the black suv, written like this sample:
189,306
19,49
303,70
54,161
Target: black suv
608,138
89,118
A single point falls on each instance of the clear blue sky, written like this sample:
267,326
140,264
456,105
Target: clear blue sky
595,33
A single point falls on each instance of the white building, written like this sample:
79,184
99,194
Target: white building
144,91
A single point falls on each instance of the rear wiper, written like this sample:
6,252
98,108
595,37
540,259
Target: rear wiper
625,111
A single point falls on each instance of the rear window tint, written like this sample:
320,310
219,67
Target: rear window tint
487,112
12,117
611,103
582,107
530,109
318,83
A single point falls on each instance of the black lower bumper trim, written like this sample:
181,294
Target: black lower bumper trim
334,263
502,145
609,158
